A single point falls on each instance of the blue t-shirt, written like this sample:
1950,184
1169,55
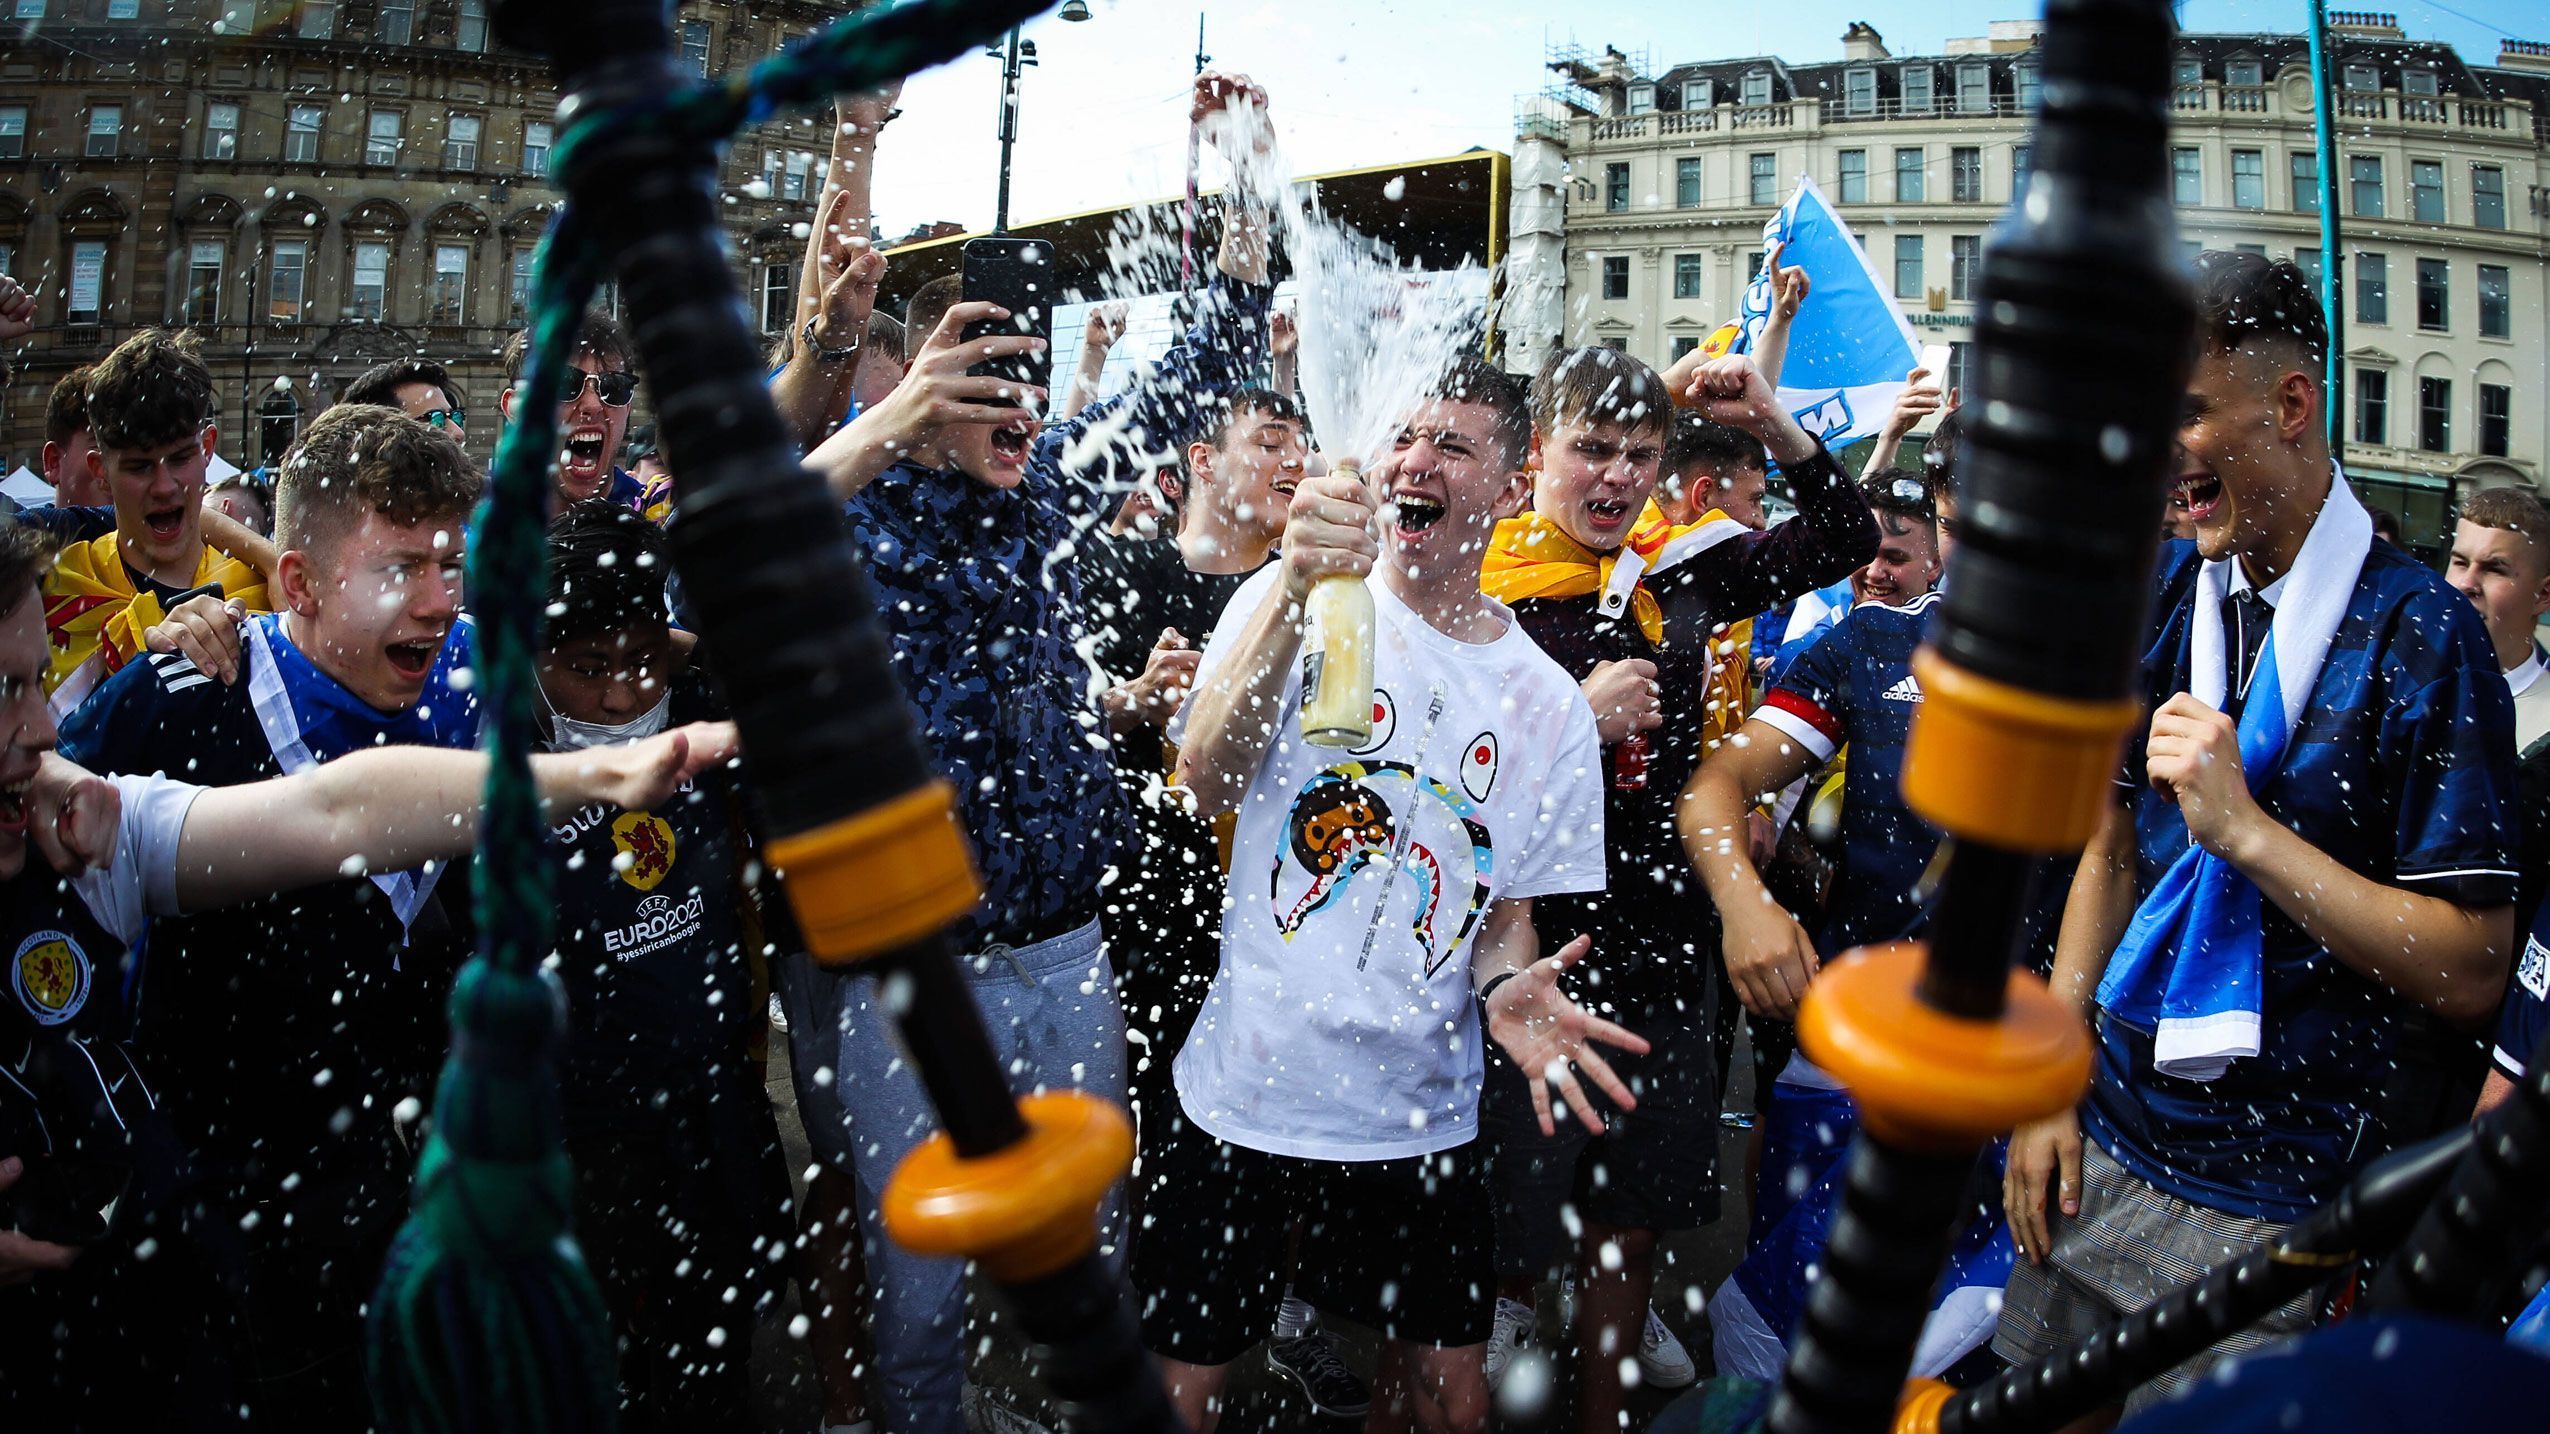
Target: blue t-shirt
1855,685
2403,771
2526,1014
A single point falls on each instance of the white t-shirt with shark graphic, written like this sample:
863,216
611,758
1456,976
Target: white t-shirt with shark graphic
1341,1025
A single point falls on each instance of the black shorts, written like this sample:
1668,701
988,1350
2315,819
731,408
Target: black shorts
1400,1245
1654,1168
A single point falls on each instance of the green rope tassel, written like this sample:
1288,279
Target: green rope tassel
486,1319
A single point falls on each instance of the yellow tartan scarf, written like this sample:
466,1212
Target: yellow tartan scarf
92,611
1531,557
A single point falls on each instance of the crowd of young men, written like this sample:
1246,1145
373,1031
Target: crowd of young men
1408,1029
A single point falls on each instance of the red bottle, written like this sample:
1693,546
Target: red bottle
1629,763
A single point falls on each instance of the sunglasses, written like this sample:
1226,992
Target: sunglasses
615,389
448,418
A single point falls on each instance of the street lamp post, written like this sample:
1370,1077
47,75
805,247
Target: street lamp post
1016,56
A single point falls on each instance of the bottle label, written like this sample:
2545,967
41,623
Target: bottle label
1312,661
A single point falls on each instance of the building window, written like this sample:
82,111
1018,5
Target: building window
1698,94
471,34
2496,419
518,283
451,284
2364,184
203,282
2487,196
2372,289
1766,179
460,141
221,131
1753,266
1757,88
2248,179
106,131
301,128
381,137
88,282
1974,89
2306,182
1615,187
1859,92
2258,249
2435,415
2308,261
1958,354
2417,82
2372,406
318,20
1915,80
13,131
2495,302
1909,182
2023,83
2185,71
278,423
1965,262
28,10
398,22
1686,182
1854,185
2020,157
1686,276
284,285
778,295
795,173
1615,276
2426,191
2362,79
1642,98
2246,73
123,9
2186,177
1965,174
2433,301
370,296
1907,266
695,46
1683,344
535,146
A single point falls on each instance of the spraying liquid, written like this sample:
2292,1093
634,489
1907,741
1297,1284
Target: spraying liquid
1375,336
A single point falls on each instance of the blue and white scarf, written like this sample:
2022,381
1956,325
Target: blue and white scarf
310,718
2192,966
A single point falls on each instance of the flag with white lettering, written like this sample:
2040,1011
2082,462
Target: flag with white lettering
1850,346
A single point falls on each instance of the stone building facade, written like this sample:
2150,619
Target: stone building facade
314,187
2445,214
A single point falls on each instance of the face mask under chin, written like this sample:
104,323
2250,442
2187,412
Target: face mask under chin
570,735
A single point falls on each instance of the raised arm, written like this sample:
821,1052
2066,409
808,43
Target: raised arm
1833,533
812,389
936,393
1789,288
1917,402
1097,337
1770,958
1232,713
392,808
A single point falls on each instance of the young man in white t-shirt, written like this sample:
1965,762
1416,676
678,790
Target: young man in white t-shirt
1379,918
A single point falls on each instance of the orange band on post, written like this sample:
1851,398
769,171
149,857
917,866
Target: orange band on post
2007,767
1918,1413
1925,1080
1024,1212
881,878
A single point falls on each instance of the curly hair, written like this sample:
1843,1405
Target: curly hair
153,390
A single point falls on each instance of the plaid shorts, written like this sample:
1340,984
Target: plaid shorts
2130,1245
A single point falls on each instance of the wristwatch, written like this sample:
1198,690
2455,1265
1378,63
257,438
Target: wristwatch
824,355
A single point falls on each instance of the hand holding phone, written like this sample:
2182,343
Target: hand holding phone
1018,275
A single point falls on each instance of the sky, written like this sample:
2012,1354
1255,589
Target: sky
1102,118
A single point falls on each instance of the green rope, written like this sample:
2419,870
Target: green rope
486,1319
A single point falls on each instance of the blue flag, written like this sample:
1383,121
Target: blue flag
1850,347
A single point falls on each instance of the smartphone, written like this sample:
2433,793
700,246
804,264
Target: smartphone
1935,358
1018,275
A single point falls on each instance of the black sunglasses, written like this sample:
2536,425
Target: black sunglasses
615,389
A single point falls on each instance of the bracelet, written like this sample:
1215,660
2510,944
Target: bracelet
1488,991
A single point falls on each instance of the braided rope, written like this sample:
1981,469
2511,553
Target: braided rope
486,1319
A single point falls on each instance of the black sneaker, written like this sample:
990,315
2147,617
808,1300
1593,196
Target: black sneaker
1312,1362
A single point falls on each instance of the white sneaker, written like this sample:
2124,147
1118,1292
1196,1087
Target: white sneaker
1662,1360
778,1015
986,1415
1512,1332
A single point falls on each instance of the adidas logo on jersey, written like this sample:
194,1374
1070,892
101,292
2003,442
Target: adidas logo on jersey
1904,690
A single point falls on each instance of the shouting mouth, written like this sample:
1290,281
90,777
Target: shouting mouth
166,524
2198,495
13,807
1415,513
584,450
1607,512
414,659
1009,445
